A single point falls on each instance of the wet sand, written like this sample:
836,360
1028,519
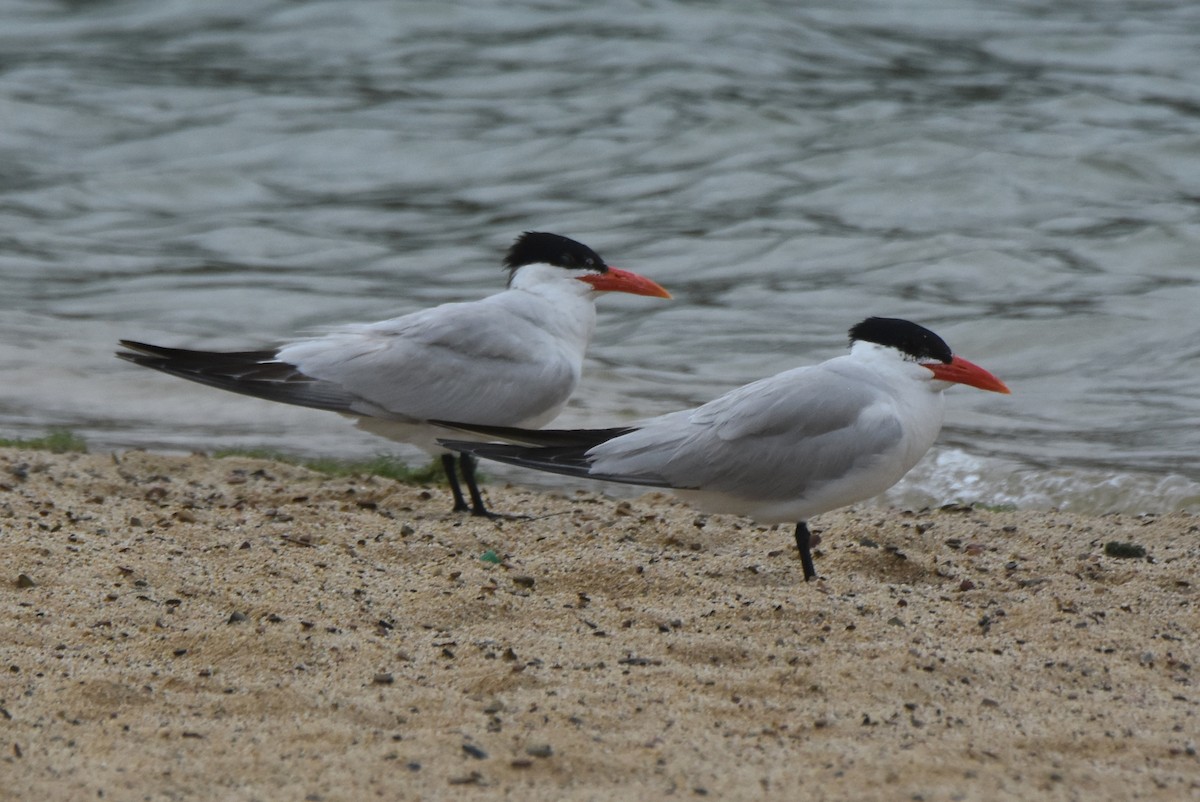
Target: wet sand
196,628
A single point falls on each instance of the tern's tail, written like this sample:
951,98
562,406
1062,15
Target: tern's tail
254,373
561,451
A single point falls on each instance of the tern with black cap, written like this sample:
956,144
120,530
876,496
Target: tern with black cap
781,449
511,359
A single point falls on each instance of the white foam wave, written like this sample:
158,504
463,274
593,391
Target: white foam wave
950,475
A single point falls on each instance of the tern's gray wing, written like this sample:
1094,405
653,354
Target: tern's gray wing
466,362
775,438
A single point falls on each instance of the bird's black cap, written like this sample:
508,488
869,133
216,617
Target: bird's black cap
538,247
916,341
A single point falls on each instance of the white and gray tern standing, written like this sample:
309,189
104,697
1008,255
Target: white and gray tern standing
511,359
782,449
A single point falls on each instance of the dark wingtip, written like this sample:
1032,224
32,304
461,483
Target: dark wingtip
136,349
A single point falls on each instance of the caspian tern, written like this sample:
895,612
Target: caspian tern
511,359
782,449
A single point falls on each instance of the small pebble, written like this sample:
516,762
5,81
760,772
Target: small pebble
25,581
1128,551
523,581
236,618
539,750
383,679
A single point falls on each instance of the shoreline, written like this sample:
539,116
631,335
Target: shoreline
240,628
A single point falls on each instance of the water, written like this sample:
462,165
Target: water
1022,177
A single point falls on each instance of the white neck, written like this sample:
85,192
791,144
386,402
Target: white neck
548,281
552,299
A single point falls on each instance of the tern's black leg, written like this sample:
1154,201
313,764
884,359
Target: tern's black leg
468,471
460,504
802,543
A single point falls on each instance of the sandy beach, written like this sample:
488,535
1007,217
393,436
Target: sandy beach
199,628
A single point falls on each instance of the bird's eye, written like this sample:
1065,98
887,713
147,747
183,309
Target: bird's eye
589,261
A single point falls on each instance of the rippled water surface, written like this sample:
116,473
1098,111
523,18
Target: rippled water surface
1022,177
